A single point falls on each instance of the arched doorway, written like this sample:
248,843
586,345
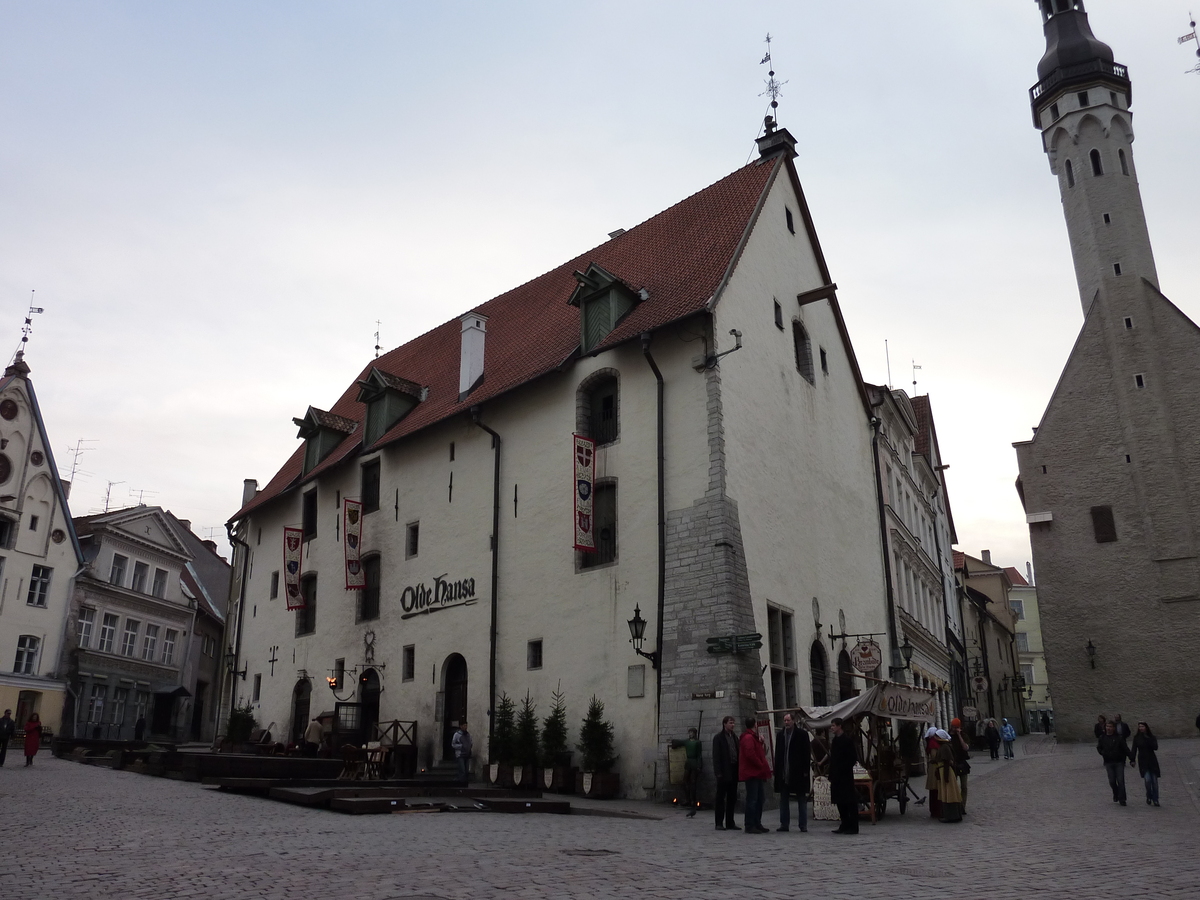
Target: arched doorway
818,669
846,688
454,707
301,709
368,696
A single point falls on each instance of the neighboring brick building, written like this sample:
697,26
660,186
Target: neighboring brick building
1110,480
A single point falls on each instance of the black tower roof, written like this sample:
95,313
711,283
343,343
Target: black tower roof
1073,53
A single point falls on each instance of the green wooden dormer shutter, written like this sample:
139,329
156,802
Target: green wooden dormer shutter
388,399
603,300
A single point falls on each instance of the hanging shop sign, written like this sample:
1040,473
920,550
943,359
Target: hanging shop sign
418,599
979,684
584,453
970,712
356,578
898,701
293,548
866,656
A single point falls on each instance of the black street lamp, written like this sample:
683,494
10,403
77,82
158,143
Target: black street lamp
906,650
637,636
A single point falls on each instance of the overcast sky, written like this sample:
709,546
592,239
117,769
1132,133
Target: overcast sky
216,201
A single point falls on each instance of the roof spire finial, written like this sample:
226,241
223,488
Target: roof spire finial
27,328
774,87
378,324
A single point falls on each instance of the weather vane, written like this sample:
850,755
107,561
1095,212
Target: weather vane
378,324
1191,36
774,85
27,328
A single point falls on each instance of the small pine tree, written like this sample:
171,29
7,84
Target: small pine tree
596,739
554,734
525,746
241,724
501,748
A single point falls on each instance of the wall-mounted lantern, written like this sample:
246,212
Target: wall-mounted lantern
637,636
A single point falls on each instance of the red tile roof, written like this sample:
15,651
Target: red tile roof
680,257
1017,579
959,560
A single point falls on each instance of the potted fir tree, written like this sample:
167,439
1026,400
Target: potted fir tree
596,744
525,745
557,774
500,748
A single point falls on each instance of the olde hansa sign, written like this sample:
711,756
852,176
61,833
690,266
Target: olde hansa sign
418,599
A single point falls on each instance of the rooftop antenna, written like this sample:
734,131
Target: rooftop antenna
27,328
108,494
377,347
888,356
1191,36
140,493
77,451
915,367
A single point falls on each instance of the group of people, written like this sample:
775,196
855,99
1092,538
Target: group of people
33,735
1112,743
947,767
995,735
743,760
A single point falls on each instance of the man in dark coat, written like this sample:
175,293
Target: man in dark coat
7,727
843,754
1098,728
725,770
793,759
1115,752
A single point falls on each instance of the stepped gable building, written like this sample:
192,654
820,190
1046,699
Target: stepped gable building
39,557
1110,480
704,353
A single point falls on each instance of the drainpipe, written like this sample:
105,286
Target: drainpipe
495,573
883,537
662,531
241,605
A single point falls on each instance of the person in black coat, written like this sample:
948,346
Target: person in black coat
793,758
1098,728
843,755
1145,756
725,770
1115,752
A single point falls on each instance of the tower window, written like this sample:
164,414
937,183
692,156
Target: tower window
824,362
1053,111
778,316
1097,165
1043,470
1112,97
1107,219
790,224
1070,174
1103,526
1083,99
1139,380
1128,322
1116,268
1124,162
803,348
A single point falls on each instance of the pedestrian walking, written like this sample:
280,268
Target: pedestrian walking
33,737
139,728
991,734
463,749
946,778
1098,728
1113,749
843,756
1122,728
754,770
931,747
7,727
691,770
1045,723
960,750
1144,755
1008,734
793,759
725,771
313,735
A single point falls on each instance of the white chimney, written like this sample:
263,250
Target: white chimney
986,556
249,490
470,369
1029,572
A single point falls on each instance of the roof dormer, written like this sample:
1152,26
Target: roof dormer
603,299
322,431
389,399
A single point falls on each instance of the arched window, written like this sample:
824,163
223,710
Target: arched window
804,360
1097,167
817,670
845,677
1070,174
597,407
1124,162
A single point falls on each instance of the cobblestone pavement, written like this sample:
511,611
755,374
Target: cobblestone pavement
1043,824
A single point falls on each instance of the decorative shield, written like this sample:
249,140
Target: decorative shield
585,523
293,542
585,489
354,567
352,540
352,515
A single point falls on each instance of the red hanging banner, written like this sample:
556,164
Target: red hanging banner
584,452
293,549
356,579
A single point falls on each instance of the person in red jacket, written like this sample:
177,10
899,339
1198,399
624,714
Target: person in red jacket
754,770
33,738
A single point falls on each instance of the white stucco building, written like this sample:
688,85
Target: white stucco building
704,352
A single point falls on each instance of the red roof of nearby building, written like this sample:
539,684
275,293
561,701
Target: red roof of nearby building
1017,579
680,257
959,559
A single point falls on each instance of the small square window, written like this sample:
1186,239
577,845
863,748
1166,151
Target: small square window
274,585
1116,268
791,225
1112,97
1139,380
1043,470
1053,110
533,655
1083,98
778,316
33,523
409,663
1107,219
1103,525
412,539
1128,322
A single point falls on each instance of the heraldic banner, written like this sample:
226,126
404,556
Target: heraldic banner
293,547
356,579
585,480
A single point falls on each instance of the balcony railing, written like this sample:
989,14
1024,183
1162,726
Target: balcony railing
1073,73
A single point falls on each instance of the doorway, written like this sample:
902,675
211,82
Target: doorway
368,696
454,711
301,700
198,710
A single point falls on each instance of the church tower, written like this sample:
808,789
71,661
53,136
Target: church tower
1110,479
1081,103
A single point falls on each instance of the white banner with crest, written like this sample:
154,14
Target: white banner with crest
293,549
356,579
584,453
